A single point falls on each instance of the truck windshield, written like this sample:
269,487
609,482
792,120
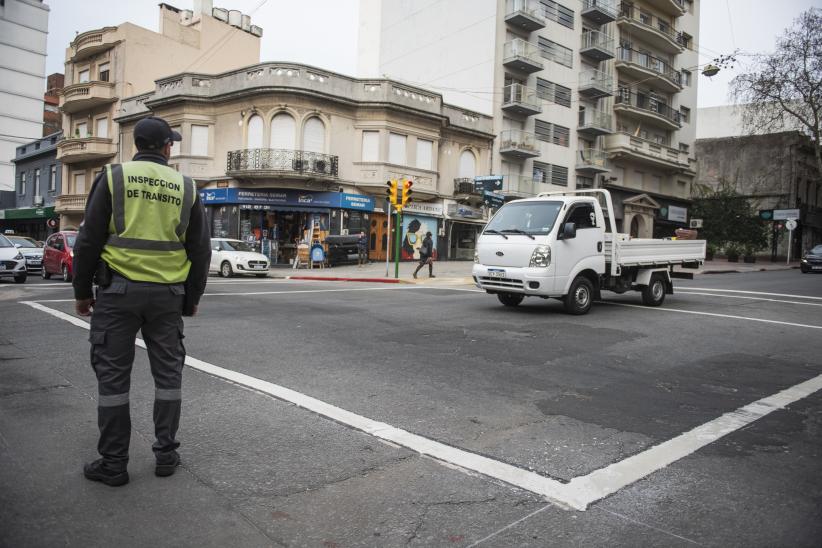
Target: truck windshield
528,217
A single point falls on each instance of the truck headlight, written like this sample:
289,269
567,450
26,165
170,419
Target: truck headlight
476,257
541,257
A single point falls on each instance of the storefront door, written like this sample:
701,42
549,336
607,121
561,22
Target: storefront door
378,237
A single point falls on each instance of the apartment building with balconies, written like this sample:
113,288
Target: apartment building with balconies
107,64
277,148
582,93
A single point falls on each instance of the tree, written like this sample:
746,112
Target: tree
729,218
783,89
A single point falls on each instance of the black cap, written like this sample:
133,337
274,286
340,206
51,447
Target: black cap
154,133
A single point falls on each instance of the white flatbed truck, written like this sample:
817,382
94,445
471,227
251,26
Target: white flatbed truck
556,246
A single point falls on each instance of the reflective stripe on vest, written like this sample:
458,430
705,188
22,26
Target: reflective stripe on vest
150,211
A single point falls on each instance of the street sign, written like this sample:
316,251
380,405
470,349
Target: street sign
785,214
488,182
790,224
492,199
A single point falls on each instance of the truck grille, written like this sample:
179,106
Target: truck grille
507,283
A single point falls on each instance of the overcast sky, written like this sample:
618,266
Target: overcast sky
324,32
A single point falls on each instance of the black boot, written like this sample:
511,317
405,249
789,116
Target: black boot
98,471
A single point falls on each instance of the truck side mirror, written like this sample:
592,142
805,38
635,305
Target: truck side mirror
569,230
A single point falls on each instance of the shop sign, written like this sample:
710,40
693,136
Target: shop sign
677,214
434,209
785,214
460,210
488,182
289,197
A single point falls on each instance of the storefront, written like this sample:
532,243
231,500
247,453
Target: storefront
418,218
278,220
463,226
31,222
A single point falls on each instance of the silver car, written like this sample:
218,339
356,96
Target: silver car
32,252
12,263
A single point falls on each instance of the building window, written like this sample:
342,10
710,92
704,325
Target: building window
468,165
686,40
314,135
684,147
282,131
559,13
396,149
53,179
255,132
79,183
103,73
370,146
556,52
36,182
553,93
548,173
685,113
175,145
82,76
425,151
552,133
199,140
561,136
22,190
81,130
559,175
102,128
686,77
541,172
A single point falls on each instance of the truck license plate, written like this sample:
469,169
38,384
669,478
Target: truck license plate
496,273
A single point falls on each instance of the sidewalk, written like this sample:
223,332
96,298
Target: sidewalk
459,272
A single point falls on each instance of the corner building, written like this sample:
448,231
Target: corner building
582,93
108,64
293,152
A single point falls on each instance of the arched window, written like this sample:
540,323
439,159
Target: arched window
314,135
255,132
468,164
282,131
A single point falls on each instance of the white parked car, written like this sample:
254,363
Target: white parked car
12,262
230,257
32,252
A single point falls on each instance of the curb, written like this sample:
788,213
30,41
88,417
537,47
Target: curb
344,279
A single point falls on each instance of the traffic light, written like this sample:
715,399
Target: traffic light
406,192
391,192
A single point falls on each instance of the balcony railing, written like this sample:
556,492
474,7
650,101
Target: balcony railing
595,121
597,45
596,83
521,55
263,160
624,144
592,160
87,95
85,149
651,23
520,185
518,143
92,42
521,99
465,185
70,203
599,11
524,14
651,63
650,104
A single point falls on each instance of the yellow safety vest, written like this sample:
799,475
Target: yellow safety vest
150,209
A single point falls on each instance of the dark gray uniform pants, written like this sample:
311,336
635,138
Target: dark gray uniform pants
121,310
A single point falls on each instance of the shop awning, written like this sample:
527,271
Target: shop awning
27,213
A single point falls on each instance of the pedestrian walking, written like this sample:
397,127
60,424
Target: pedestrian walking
362,250
146,245
426,256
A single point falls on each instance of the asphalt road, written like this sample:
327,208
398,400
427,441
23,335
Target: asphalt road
514,408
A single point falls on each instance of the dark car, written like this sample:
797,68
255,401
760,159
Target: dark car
812,261
342,249
58,255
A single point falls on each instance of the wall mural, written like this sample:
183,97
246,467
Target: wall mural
413,233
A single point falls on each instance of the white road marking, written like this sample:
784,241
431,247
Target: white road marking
689,292
750,292
578,494
697,313
393,287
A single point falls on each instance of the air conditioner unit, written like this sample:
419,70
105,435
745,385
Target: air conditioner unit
38,200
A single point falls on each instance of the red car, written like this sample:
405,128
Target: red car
58,254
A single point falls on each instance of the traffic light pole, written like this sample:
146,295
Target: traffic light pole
397,249
388,240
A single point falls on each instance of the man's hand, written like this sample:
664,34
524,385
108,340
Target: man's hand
191,312
83,307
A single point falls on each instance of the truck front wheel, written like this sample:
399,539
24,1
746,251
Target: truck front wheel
510,299
653,294
580,297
